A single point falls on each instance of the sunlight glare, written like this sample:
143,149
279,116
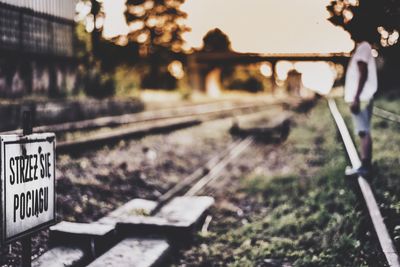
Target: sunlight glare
282,69
136,25
175,68
213,84
142,38
266,70
317,76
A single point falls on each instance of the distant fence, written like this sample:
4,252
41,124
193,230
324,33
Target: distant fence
40,27
37,47
55,8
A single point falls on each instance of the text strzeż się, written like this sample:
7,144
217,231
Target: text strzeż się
26,169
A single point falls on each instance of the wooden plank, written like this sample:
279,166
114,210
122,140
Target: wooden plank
181,212
180,216
94,238
91,229
136,207
60,257
134,252
385,241
186,210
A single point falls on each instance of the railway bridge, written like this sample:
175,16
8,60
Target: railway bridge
204,68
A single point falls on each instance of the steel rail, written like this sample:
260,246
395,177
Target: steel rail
204,175
156,126
216,171
192,178
117,120
129,132
381,230
145,116
387,115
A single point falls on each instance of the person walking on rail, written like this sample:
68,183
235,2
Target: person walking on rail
361,83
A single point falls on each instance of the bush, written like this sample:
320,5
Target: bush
159,80
99,86
251,85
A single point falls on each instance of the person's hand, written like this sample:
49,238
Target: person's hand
355,106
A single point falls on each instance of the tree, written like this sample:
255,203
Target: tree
156,28
380,18
95,72
90,13
154,40
216,41
156,25
97,14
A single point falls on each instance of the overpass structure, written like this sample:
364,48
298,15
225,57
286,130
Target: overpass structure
203,66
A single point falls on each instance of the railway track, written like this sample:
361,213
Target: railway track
184,191
145,116
387,115
381,230
204,175
76,136
164,123
187,189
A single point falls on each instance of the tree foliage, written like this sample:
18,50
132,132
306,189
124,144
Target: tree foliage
156,28
156,25
153,41
379,19
216,41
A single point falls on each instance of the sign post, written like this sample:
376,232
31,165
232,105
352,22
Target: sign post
27,165
26,241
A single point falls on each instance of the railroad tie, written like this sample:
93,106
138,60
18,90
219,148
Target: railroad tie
134,252
93,238
176,220
61,256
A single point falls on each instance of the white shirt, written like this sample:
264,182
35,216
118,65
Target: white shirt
362,53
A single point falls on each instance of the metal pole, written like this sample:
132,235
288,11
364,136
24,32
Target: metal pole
27,241
27,122
26,251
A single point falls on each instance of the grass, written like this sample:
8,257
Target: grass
309,224
310,217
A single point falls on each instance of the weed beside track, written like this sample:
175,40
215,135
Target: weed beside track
294,208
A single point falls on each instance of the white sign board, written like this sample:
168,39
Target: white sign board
27,184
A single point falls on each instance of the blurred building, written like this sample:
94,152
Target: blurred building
37,47
294,82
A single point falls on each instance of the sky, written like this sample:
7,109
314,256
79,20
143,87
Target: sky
258,26
261,26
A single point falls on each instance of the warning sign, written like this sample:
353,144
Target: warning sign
27,184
